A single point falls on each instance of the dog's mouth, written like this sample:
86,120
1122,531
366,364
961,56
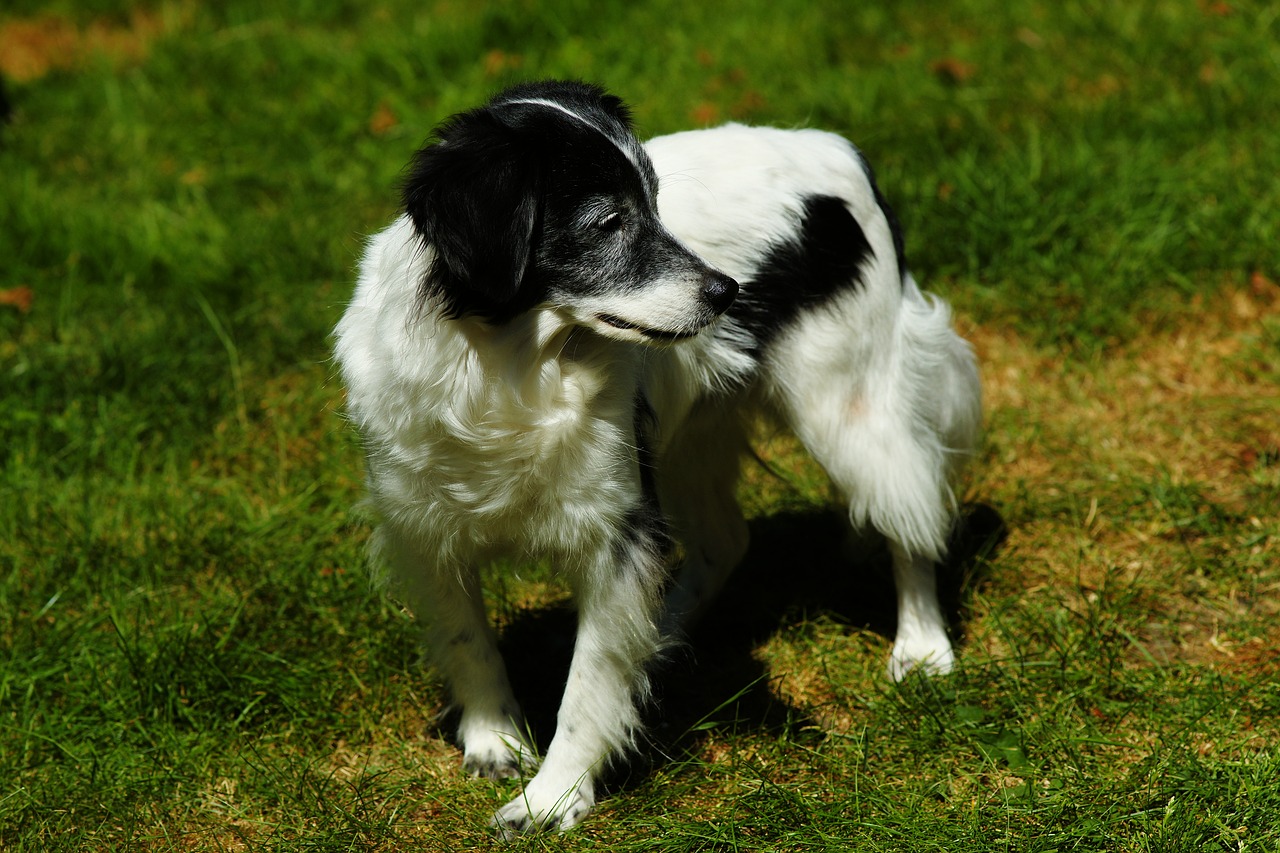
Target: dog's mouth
652,334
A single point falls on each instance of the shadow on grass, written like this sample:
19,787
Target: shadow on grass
799,565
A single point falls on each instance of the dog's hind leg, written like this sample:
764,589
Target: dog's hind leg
920,641
891,423
463,646
905,503
948,411
698,476
894,485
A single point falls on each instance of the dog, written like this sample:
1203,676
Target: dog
558,350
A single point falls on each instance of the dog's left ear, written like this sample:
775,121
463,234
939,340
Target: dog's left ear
473,197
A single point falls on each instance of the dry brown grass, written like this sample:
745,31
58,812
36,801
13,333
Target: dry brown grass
1192,413
32,47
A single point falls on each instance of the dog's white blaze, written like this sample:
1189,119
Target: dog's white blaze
628,151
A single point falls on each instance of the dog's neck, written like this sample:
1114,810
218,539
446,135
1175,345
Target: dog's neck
541,358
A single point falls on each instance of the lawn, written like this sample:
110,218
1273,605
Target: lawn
193,658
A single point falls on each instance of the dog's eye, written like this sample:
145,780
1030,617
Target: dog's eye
610,222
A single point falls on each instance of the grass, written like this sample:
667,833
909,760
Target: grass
191,656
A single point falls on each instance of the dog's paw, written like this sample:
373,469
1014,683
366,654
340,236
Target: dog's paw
922,655
544,808
504,767
497,754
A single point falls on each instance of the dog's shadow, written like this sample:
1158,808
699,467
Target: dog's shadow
799,565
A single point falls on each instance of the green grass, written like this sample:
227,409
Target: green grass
191,656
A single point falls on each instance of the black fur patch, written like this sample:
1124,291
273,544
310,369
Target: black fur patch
645,524
645,423
825,257
895,227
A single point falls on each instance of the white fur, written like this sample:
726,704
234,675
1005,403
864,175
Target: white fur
519,439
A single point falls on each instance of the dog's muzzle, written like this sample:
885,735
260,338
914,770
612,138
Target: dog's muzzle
717,292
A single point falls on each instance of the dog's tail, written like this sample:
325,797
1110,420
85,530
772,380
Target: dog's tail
957,403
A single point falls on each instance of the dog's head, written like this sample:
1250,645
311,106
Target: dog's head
544,197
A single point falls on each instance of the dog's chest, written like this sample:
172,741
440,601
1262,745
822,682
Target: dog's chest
501,470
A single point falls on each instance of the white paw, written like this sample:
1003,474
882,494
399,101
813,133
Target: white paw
929,656
496,753
544,806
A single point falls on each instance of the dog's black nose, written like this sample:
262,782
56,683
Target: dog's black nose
719,290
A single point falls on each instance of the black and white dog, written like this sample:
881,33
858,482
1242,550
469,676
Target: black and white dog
558,351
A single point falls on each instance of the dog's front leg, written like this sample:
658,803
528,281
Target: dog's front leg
617,635
462,645
465,648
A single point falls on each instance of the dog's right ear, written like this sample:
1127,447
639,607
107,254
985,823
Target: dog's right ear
473,197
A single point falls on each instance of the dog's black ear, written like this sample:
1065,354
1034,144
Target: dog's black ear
473,197
617,108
